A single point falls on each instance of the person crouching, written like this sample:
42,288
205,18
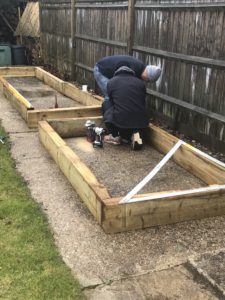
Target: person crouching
125,115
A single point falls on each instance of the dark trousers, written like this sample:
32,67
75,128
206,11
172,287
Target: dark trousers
125,133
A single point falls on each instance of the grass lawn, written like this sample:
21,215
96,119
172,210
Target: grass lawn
30,264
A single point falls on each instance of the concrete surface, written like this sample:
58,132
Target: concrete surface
143,264
211,267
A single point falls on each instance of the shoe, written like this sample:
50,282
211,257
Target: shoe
112,140
136,141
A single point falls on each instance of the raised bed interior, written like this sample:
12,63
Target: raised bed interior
120,169
192,186
35,92
39,94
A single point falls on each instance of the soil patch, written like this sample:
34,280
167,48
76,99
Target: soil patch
39,94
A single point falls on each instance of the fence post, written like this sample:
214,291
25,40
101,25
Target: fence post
73,32
130,29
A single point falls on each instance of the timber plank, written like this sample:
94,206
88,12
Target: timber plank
74,126
15,93
17,104
54,145
74,93
17,71
50,139
201,167
49,114
79,175
162,212
49,79
70,165
57,148
66,88
168,196
18,101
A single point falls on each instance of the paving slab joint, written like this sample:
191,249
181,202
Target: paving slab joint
91,287
201,276
107,282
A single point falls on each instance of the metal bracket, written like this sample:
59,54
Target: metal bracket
140,185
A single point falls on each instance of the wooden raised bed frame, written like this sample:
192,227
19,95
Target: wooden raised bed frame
162,208
92,105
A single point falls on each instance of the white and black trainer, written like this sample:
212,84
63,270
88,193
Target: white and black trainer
136,141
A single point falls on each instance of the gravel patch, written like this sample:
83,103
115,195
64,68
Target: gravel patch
120,169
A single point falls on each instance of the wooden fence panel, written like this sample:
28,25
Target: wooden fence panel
184,37
99,32
56,34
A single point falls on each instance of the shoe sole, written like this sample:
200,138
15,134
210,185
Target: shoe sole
111,142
